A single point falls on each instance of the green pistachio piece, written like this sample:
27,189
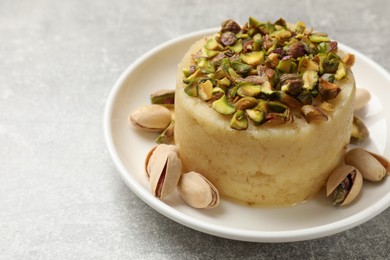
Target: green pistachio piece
341,72
220,73
205,66
257,116
223,106
213,45
248,90
163,97
252,22
237,47
272,60
192,89
328,90
217,92
186,72
246,102
323,47
192,77
319,38
252,31
241,68
224,82
210,53
167,135
359,131
281,34
225,64
300,27
305,97
312,113
266,88
239,121
232,92
284,65
276,107
310,79
307,64
329,63
257,42
242,35
233,74
253,58
205,90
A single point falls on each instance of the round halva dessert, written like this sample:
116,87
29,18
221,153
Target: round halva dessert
264,111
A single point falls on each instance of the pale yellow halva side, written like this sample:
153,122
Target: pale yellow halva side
263,165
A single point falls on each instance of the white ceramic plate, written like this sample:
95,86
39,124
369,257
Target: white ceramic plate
317,218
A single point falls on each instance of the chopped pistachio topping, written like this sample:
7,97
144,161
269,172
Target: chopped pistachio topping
267,73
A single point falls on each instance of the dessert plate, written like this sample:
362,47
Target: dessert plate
316,218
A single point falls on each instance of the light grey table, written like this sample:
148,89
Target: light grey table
60,194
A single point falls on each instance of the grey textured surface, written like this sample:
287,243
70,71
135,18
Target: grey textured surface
60,196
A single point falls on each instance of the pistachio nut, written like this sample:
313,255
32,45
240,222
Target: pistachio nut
164,97
312,113
344,184
163,167
370,167
239,120
328,90
205,90
362,97
223,106
167,135
267,61
150,117
197,191
359,132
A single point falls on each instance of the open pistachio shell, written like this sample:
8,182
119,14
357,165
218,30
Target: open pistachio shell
370,167
151,117
344,194
164,168
197,191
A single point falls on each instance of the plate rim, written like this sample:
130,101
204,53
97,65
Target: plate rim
204,226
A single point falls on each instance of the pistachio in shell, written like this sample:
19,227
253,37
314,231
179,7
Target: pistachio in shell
370,167
197,191
164,97
163,167
359,132
344,184
362,97
151,118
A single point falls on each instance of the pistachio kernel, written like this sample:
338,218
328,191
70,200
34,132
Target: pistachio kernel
239,121
282,62
223,106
